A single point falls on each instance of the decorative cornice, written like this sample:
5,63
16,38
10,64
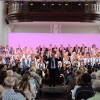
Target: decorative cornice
28,11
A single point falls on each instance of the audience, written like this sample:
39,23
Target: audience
96,87
85,91
27,88
23,71
9,93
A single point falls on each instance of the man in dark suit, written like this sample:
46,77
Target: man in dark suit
53,69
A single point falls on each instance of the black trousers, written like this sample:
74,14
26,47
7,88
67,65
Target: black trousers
52,77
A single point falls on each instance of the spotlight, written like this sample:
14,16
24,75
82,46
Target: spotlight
52,4
31,4
86,4
79,4
44,4
59,4
66,4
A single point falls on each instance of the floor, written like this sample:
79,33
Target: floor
53,97
50,93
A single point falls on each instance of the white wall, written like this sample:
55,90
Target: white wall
31,29
4,30
62,28
79,29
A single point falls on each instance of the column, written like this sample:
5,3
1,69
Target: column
3,26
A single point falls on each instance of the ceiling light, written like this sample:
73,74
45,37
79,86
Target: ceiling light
44,4
52,4
31,4
66,4
59,4
86,4
79,4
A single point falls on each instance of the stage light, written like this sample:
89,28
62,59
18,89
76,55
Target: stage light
79,4
86,4
52,4
59,4
44,4
31,4
66,4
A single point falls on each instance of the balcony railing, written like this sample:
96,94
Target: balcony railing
45,10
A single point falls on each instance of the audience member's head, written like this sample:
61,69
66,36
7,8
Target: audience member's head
27,72
98,75
3,75
14,68
77,72
33,74
1,67
96,85
25,82
32,69
9,82
86,78
5,67
10,73
93,75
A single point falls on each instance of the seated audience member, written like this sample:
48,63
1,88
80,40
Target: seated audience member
1,91
27,87
97,80
96,88
72,83
15,87
3,75
9,93
78,84
5,68
19,69
98,75
1,67
35,80
35,75
10,73
15,74
85,91
93,77
93,74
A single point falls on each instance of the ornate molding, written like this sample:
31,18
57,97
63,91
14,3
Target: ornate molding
28,11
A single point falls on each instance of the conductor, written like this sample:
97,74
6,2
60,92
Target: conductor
53,69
